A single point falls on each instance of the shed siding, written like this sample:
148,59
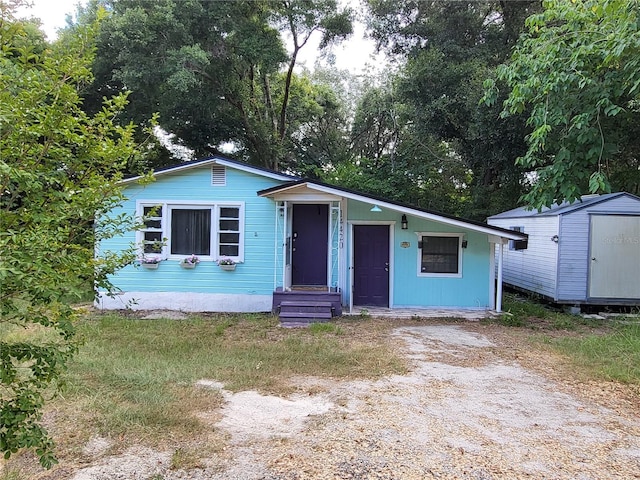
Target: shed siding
533,269
253,277
574,246
472,290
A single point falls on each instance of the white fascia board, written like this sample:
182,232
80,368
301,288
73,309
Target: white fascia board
418,213
217,161
257,171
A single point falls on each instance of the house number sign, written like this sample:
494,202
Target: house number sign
405,244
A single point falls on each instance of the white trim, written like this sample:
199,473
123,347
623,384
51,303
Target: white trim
398,208
214,160
460,236
185,302
342,251
499,286
214,207
492,277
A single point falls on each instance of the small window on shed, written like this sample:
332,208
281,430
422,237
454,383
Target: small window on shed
218,176
516,244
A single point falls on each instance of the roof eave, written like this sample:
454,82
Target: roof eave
488,229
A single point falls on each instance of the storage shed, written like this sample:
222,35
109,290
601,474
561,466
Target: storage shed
586,252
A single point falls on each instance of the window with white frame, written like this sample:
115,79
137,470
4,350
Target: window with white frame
210,231
151,230
440,254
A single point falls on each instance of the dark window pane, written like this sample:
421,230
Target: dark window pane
191,232
152,211
152,242
228,250
229,212
439,255
229,225
229,238
153,223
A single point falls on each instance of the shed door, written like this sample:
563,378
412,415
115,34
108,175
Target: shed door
615,257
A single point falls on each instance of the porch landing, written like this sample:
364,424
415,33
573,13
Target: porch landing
473,315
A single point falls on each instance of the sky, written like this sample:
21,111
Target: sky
353,55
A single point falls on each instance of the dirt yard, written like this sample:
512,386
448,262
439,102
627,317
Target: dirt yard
477,404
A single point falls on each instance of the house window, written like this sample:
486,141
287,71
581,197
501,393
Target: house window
229,231
208,231
440,254
515,244
190,231
152,229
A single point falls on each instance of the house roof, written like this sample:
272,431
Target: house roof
217,160
439,217
562,208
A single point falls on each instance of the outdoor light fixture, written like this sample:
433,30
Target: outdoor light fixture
555,239
376,208
404,222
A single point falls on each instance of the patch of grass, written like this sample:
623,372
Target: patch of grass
11,474
328,328
611,356
135,379
527,312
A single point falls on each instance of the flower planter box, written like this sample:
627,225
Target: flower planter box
227,267
150,266
188,266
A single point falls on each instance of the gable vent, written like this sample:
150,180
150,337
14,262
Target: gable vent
218,176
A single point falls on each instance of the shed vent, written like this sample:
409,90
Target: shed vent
218,176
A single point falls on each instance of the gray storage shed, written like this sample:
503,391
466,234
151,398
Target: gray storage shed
587,252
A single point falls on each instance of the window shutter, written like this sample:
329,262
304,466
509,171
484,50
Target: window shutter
218,176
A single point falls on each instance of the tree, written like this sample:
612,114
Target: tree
213,70
58,166
450,48
577,70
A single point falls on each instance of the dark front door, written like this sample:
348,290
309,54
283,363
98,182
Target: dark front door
371,265
309,244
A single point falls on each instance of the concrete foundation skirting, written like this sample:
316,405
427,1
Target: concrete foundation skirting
185,302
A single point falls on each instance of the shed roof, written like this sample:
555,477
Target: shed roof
562,208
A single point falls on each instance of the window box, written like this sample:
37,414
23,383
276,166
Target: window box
188,266
228,267
150,266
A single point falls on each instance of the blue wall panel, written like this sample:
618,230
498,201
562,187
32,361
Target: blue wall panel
410,289
254,276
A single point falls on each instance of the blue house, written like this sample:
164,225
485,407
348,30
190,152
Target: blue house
296,243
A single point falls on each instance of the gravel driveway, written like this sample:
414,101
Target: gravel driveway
470,408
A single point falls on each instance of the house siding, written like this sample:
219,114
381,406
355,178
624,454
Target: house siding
533,269
471,290
207,282
573,264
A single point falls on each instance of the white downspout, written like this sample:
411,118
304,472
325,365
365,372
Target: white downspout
499,286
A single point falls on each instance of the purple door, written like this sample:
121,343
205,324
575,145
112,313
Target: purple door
309,245
371,265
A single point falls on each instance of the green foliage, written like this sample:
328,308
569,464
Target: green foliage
612,356
213,71
576,74
450,48
58,166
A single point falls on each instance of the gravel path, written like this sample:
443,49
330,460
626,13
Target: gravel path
469,409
